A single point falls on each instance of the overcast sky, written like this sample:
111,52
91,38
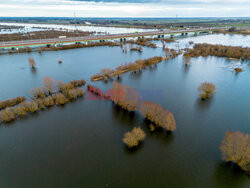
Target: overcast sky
126,8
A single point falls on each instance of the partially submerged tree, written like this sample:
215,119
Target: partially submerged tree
7,115
156,114
133,138
206,90
32,63
235,148
61,99
38,92
48,83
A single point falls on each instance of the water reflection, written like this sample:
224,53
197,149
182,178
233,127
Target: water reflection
229,175
203,104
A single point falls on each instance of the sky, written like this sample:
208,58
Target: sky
125,8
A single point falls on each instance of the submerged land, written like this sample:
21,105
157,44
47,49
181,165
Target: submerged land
156,111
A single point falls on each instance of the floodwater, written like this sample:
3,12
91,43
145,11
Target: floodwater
104,30
80,144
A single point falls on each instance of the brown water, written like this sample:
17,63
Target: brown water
80,145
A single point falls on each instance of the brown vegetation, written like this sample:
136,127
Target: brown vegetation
143,42
128,99
237,70
134,67
11,102
41,98
48,83
157,115
133,138
78,83
219,51
38,92
32,63
7,115
61,99
125,97
48,101
235,148
206,90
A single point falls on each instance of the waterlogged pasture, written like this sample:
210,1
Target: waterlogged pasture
80,144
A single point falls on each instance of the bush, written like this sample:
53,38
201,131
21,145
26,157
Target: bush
40,103
38,92
11,102
235,148
20,111
156,114
71,94
133,138
237,70
61,99
125,97
139,133
206,90
80,92
48,101
31,106
78,83
7,115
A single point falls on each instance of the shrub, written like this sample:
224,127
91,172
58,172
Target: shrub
66,87
32,63
7,115
133,138
71,94
40,103
235,148
125,97
48,101
48,83
78,83
11,102
130,140
31,106
139,133
38,92
80,92
206,90
156,114
61,99
237,70
20,111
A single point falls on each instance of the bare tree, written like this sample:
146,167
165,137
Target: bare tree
235,148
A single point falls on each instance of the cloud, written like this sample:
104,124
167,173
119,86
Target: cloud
126,8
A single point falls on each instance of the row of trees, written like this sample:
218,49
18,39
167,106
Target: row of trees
235,148
11,102
219,51
128,99
137,66
44,97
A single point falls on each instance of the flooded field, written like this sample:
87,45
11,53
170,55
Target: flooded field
80,144
38,27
